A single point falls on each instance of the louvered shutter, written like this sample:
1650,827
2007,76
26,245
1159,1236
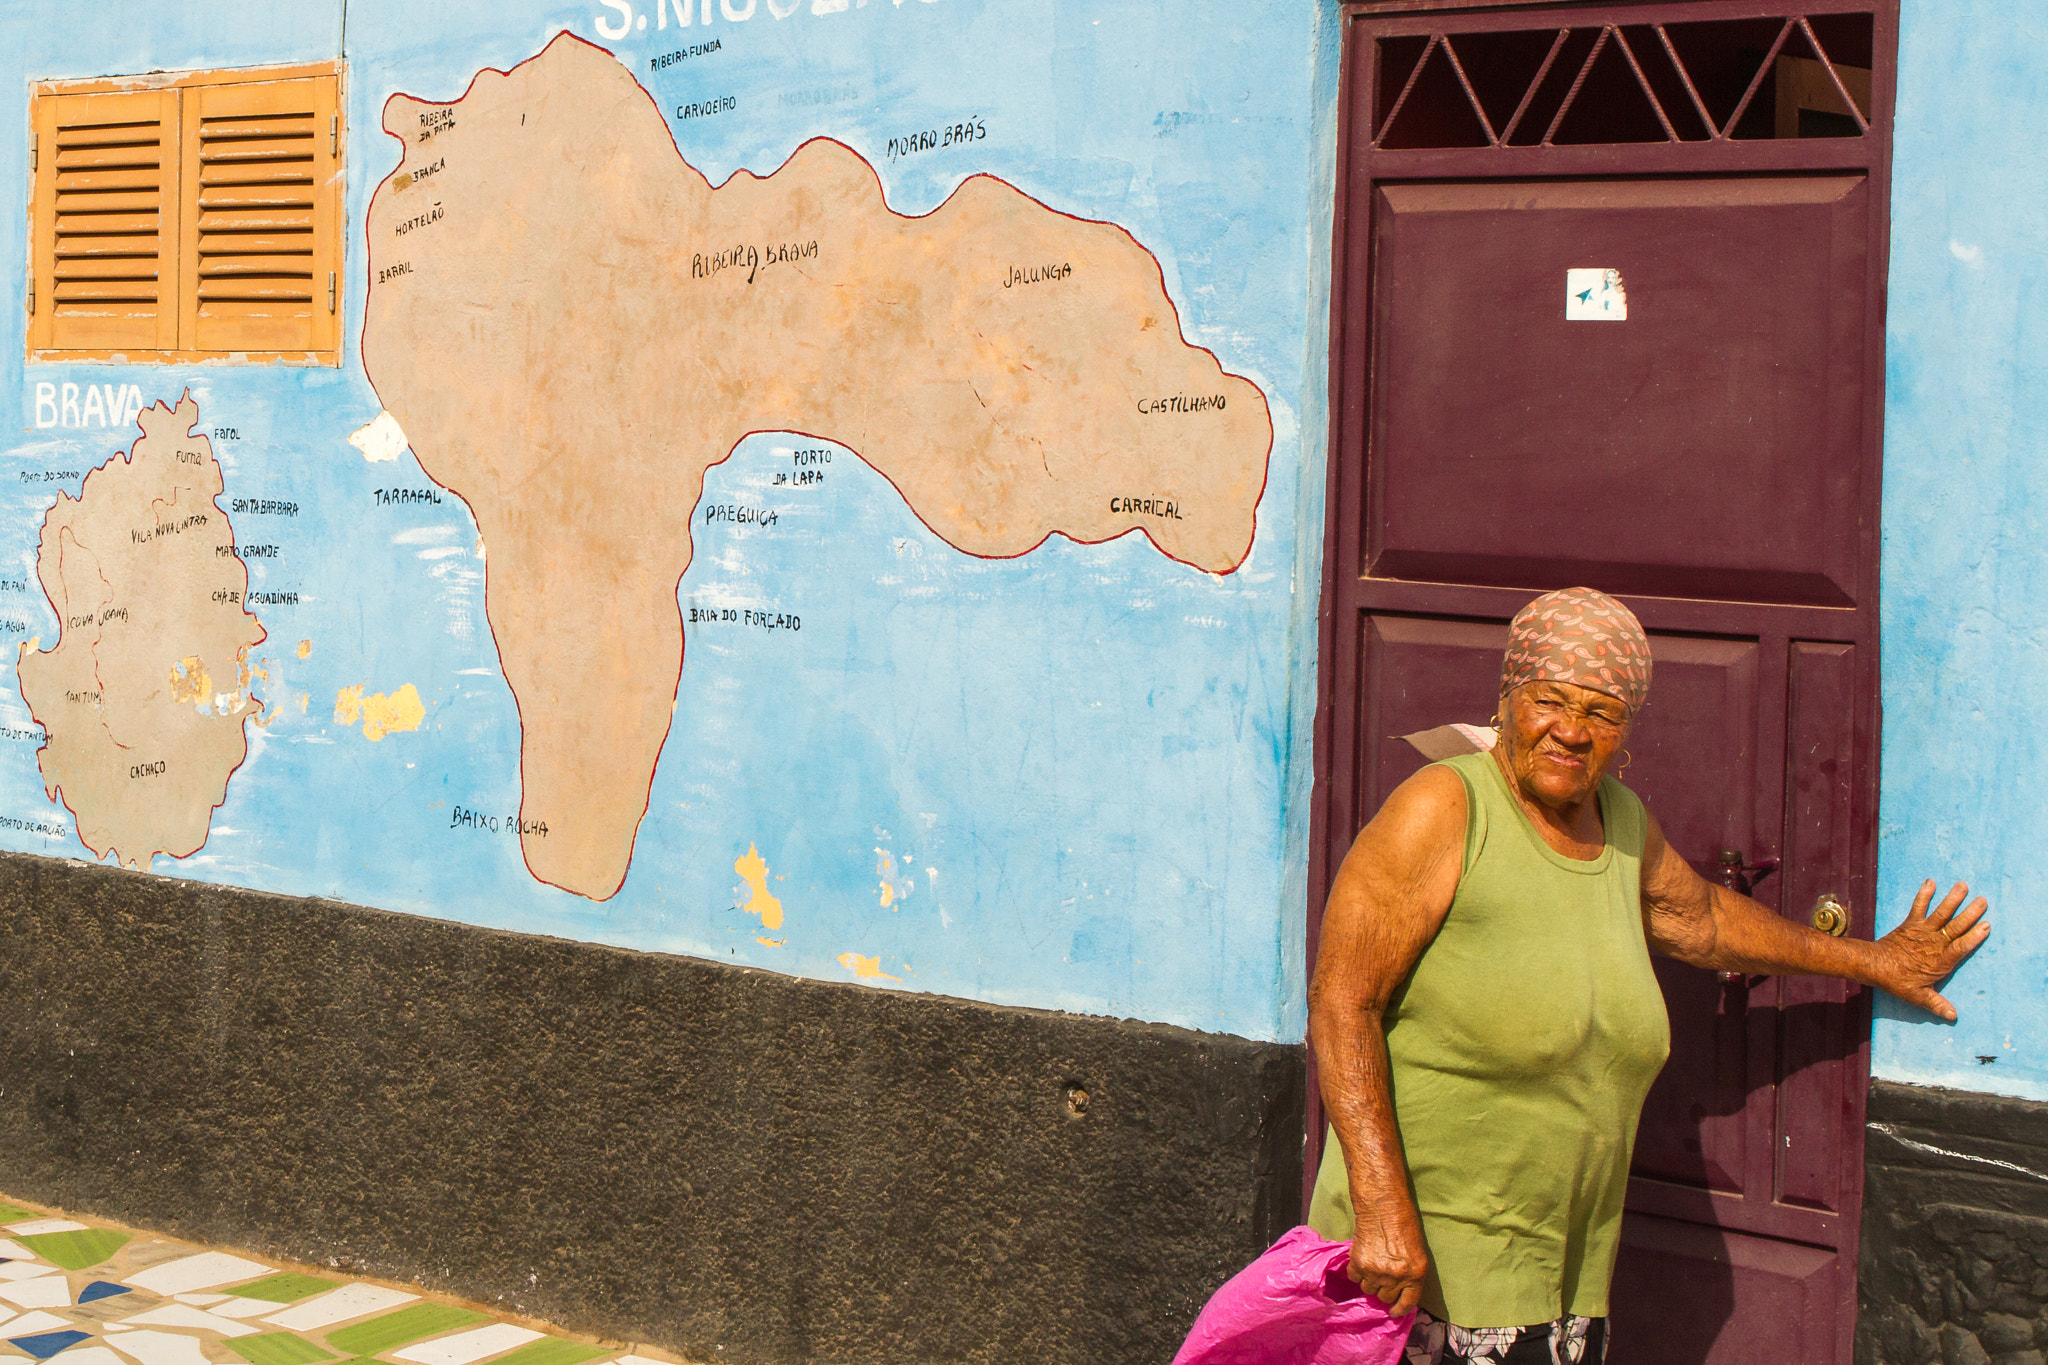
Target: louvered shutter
104,222
261,217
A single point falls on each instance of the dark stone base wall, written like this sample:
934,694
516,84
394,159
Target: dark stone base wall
728,1163
1954,1266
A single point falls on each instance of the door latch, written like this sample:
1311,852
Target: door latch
1830,915
1740,875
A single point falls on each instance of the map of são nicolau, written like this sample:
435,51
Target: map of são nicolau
605,325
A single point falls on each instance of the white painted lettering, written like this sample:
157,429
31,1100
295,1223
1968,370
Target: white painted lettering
46,398
625,24
95,406
681,7
69,407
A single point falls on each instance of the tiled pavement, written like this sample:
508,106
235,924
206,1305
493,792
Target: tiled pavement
83,1292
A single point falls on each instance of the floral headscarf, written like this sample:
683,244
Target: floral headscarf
1583,636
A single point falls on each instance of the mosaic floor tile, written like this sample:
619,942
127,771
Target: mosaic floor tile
51,1291
30,1323
159,1348
243,1308
198,1319
208,1270
76,1248
145,1299
279,1348
466,1348
344,1304
111,1308
91,1355
556,1351
402,1328
43,1345
286,1288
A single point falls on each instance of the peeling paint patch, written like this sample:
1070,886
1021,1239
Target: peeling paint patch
381,715
865,968
380,439
753,869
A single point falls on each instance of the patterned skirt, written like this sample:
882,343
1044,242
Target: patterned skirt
1568,1341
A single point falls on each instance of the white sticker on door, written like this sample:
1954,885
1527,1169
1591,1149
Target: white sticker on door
1594,294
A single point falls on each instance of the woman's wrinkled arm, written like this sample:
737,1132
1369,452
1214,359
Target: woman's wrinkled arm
1689,918
1389,899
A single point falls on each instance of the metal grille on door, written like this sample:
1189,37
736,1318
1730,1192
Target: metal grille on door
1782,77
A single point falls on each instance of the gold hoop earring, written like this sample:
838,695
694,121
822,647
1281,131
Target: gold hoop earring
1626,759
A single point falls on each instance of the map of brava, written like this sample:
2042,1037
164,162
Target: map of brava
1013,371
146,692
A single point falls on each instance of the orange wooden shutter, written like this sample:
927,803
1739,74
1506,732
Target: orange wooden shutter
261,217
105,268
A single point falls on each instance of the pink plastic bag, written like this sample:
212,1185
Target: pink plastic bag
1295,1305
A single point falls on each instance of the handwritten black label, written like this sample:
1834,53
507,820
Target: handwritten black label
724,104
682,54
398,497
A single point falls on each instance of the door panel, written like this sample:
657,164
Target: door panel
1689,1281
1820,758
1692,751
1712,457
1421,672
1701,407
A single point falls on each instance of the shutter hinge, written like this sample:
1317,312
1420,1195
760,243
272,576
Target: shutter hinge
330,291
31,294
33,138
333,134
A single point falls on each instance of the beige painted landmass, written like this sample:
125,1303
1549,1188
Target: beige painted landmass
571,325
145,694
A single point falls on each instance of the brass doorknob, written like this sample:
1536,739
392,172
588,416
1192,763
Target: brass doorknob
1830,916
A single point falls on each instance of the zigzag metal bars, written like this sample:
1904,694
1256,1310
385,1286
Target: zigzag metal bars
1717,131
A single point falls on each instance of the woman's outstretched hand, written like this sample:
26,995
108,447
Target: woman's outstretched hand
1929,945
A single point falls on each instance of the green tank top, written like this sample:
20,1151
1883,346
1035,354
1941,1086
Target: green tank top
1522,1046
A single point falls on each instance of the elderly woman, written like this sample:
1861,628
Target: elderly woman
1484,1014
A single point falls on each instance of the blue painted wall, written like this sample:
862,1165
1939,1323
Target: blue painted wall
1085,770
1965,589
1211,138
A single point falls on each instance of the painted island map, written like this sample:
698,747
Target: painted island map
718,468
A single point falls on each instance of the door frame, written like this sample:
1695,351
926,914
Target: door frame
1360,166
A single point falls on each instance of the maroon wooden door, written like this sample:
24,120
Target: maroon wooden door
1609,312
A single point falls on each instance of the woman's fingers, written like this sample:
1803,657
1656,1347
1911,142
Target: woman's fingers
1921,901
1944,912
1936,1005
1958,923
